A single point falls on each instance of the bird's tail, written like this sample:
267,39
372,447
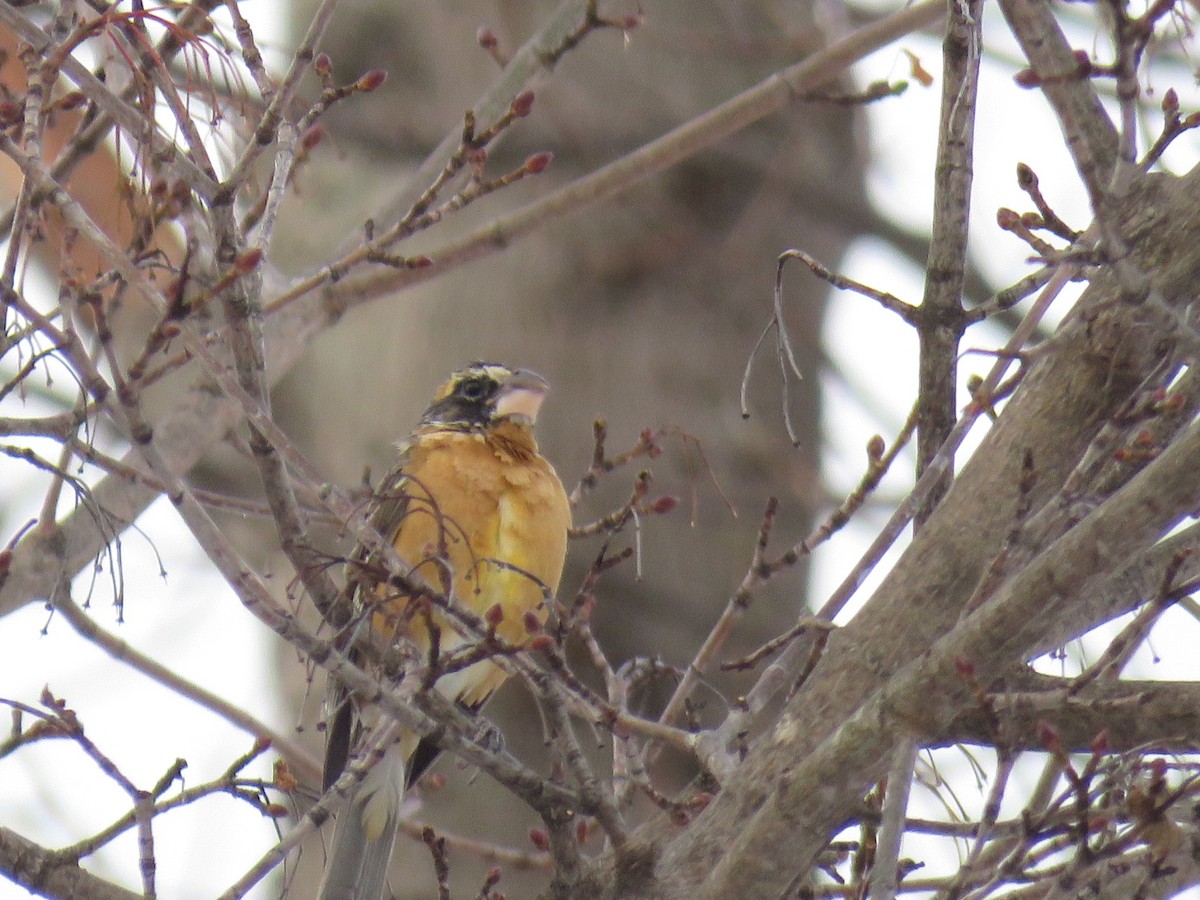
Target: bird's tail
366,832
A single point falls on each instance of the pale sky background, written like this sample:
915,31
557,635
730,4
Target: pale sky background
196,860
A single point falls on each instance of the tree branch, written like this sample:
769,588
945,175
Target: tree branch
1098,358
44,872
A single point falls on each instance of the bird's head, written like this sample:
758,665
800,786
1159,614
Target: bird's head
485,394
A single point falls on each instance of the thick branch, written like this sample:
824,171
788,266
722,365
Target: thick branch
940,319
1152,716
44,872
1098,359
810,798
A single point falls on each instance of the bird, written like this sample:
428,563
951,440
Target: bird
480,515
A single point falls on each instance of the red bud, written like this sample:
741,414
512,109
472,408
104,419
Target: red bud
537,163
323,65
1026,178
1027,78
486,37
249,260
1170,102
373,80
72,100
532,622
495,615
664,505
522,104
876,447
539,839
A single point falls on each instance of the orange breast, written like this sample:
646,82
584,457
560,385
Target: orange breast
487,520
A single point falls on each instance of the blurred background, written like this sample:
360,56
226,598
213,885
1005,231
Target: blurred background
643,311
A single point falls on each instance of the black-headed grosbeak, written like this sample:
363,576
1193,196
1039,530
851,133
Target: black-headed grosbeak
478,513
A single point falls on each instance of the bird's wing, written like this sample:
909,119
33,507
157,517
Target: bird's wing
366,827
389,505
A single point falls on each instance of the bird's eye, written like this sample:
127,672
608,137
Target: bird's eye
473,389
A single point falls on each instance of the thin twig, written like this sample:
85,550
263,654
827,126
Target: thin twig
774,93
297,756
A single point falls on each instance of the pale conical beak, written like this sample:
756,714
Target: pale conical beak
521,396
